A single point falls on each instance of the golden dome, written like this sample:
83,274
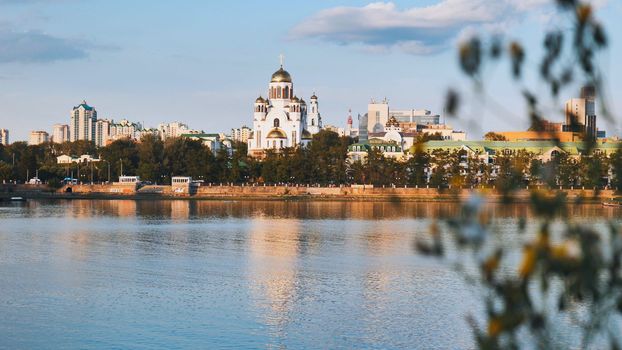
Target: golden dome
276,133
281,76
295,99
306,135
260,100
314,97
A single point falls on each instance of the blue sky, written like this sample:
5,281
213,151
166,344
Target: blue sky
204,62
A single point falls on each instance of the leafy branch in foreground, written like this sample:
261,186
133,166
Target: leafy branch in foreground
563,287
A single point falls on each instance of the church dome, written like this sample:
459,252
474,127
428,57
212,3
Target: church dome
260,100
302,101
281,76
276,133
314,97
306,135
295,99
392,122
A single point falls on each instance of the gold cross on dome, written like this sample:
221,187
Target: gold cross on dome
281,58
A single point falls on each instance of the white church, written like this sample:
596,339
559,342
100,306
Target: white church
283,120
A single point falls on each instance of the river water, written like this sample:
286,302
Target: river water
106,274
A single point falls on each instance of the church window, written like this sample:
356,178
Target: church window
312,121
281,143
286,94
277,123
278,92
273,144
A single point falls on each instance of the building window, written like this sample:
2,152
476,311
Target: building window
276,123
278,92
313,122
281,143
286,92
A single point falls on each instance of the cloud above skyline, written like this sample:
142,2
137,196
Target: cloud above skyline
37,47
383,27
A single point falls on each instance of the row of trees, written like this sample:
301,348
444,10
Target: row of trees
156,161
323,162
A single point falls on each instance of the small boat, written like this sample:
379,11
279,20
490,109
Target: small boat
18,199
612,204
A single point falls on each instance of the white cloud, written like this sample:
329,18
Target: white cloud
382,26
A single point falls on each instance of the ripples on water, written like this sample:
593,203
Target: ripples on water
210,274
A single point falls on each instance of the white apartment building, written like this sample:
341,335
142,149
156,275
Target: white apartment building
38,137
174,129
241,134
102,132
83,122
125,130
379,113
444,130
4,137
335,129
60,133
150,131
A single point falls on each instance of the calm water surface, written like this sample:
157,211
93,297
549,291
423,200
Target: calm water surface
208,274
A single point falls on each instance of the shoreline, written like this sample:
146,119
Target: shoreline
286,193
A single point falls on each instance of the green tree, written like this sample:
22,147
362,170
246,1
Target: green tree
121,154
150,158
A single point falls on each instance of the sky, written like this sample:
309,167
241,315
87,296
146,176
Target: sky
205,62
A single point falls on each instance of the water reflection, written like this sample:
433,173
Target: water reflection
272,270
188,209
237,274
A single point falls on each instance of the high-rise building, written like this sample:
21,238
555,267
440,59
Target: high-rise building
60,133
38,137
363,134
377,116
102,132
241,134
581,113
4,137
83,122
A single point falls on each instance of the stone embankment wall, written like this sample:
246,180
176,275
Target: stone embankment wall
276,192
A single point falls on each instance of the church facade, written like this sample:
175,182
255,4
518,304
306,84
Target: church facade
282,119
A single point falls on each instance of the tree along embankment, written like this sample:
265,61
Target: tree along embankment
280,192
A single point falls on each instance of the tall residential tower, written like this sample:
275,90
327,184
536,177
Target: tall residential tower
83,123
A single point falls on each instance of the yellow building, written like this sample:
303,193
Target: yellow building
559,136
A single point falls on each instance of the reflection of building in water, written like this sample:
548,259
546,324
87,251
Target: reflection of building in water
274,249
180,210
118,207
126,208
